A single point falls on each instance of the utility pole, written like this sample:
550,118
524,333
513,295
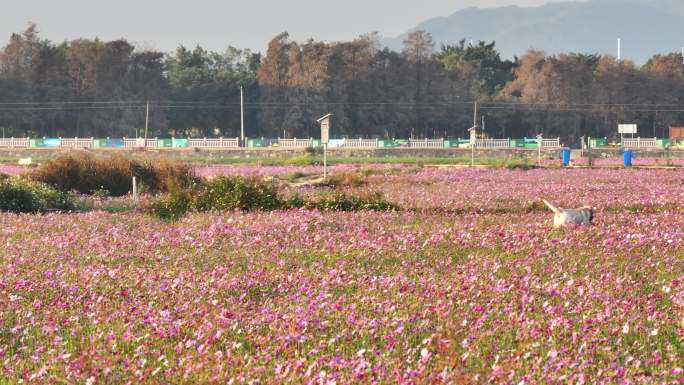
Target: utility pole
242,117
325,161
473,135
475,115
147,120
619,47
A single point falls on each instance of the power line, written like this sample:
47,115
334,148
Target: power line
490,106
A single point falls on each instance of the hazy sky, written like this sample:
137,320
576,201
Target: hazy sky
215,24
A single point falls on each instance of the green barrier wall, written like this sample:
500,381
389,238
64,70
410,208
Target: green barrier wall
255,143
179,143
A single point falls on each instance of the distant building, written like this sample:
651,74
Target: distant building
676,133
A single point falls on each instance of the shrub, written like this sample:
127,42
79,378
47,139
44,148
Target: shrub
512,164
295,201
25,196
343,179
227,193
171,207
163,175
101,193
234,192
88,174
344,202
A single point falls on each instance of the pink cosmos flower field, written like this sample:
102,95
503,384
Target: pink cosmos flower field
11,169
467,284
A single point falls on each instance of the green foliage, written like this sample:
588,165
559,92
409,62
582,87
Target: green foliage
199,75
24,196
101,193
302,160
344,202
493,73
237,193
512,164
295,201
172,206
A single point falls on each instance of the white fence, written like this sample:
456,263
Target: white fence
360,143
550,143
224,143
14,142
426,143
640,143
492,143
196,143
138,142
295,143
76,143
214,143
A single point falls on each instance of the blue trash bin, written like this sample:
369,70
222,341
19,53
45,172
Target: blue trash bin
628,157
565,155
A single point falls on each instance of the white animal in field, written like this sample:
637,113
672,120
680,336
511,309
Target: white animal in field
563,217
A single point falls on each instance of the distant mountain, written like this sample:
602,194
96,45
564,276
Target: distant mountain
646,27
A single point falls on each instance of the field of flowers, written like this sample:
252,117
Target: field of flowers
467,284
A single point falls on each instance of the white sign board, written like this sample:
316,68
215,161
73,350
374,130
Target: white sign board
627,128
325,131
325,128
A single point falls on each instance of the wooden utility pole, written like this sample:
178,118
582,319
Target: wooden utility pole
242,118
473,141
475,115
147,120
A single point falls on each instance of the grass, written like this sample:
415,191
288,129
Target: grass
333,160
305,159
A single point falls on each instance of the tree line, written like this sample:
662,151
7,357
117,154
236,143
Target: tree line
89,87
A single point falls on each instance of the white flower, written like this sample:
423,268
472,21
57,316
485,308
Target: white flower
625,329
654,332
